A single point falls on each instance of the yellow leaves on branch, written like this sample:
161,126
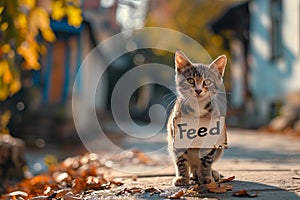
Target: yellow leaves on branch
5,48
5,72
15,86
9,80
30,18
74,16
21,23
58,10
29,4
4,26
4,119
39,20
30,54
68,9
9,76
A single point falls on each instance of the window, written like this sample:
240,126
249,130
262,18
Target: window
276,28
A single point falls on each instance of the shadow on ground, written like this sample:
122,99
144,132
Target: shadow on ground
163,185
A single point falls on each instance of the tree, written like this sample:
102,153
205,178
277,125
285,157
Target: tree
24,30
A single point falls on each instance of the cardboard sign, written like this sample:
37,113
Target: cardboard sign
200,132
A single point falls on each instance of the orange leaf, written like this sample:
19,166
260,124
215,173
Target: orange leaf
177,195
79,185
18,193
60,193
218,188
225,180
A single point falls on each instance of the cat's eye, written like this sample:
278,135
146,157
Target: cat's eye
191,81
207,82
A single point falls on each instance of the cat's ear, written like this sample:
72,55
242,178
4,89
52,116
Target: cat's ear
181,61
219,64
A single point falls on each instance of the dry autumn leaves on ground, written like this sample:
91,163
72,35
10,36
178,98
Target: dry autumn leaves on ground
86,176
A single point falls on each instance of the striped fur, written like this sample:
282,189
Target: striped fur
196,85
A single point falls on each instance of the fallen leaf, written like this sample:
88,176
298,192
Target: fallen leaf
59,177
215,188
225,180
152,190
79,185
244,193
70,196
142,158
40,198
191,192
196,189
132,190
18,193
218,188
47,190
61,193
134,178
135,190
177,195
95,183
41,179
117,181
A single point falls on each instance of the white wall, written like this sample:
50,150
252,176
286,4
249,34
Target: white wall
270,80
291,38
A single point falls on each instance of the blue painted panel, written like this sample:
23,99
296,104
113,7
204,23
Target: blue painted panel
63,26
268,78
67,66
48,72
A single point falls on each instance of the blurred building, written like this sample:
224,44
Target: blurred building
274,51
264,39
236,37
48,109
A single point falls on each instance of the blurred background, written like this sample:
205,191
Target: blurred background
43,43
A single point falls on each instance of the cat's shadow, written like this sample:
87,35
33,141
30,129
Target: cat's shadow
263,191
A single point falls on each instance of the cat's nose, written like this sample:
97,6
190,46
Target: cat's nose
198,91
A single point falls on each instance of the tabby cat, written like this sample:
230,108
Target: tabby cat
197,85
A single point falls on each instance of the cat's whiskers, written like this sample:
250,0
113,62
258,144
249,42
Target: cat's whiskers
185,100
171,103
169,95
219,92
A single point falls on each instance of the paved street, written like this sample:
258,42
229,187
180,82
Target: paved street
262,163
265,163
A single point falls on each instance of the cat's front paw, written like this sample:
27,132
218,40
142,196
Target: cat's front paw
206,180
216,175
181,181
